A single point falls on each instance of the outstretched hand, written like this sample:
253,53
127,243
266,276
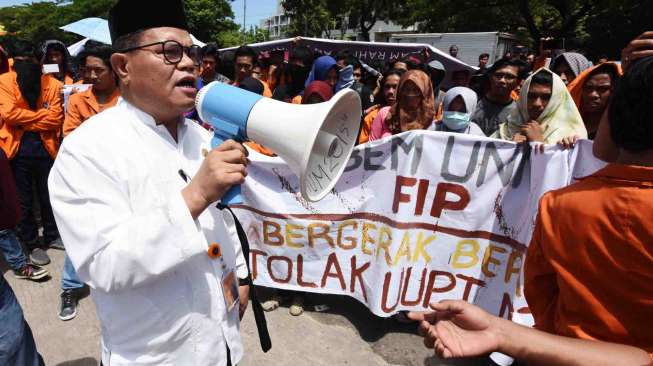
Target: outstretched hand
458,329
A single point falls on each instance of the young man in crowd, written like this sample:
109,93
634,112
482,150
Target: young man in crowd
210,64
245,59
497,103
453,51
96,70
139,217
591,92
95,65
31,109
483,60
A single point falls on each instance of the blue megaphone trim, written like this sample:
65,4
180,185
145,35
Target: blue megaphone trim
227,109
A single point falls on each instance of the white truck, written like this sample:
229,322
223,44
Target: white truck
470,45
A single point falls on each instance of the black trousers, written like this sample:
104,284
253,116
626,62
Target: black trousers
31,175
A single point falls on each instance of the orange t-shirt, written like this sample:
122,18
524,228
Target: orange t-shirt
366,126
589,267
17,117
84,105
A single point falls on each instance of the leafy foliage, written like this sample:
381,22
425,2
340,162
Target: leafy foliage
209,20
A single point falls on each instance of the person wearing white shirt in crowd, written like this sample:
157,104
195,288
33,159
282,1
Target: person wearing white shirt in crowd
158,255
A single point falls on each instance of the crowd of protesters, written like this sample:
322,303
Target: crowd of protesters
551,99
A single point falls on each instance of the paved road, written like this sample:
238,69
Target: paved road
346,334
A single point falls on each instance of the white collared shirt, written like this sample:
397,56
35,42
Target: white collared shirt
115,190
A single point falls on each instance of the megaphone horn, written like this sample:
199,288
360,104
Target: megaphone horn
315,140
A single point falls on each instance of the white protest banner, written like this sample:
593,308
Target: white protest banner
368,51
416,218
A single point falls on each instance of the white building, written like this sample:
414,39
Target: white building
380,32
276,23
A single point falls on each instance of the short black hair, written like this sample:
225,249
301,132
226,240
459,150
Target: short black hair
343,54
95,49
542,77
302,53
24,48
246,51
127,41
211,50
630,112
483,55
500,64
253,85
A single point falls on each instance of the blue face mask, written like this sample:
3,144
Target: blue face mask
456,120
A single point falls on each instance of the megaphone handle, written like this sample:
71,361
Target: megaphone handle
232,196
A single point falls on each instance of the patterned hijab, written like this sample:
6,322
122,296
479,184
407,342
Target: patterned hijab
577,62
398,116
559,119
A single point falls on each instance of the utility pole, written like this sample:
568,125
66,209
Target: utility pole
244,15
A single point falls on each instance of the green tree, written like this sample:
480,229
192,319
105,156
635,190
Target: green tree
309,18
313,18
208,19
40,21
365,13
531,19
612,26
238,37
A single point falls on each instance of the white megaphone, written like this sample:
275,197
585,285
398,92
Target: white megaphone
315,140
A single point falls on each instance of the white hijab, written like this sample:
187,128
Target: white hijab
468,95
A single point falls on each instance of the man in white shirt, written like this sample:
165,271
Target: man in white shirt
156,252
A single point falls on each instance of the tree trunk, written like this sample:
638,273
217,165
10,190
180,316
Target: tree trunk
525,11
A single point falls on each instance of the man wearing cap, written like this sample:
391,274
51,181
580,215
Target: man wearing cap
134,190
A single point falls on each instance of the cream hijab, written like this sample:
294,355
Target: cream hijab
559,119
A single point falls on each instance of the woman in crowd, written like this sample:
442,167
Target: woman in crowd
591,92
385,97
545,112
324,69
55,52
458,105
413,110
569,65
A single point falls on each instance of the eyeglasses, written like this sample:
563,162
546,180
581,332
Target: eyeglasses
173,51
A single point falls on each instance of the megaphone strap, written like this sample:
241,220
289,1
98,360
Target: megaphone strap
259,314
